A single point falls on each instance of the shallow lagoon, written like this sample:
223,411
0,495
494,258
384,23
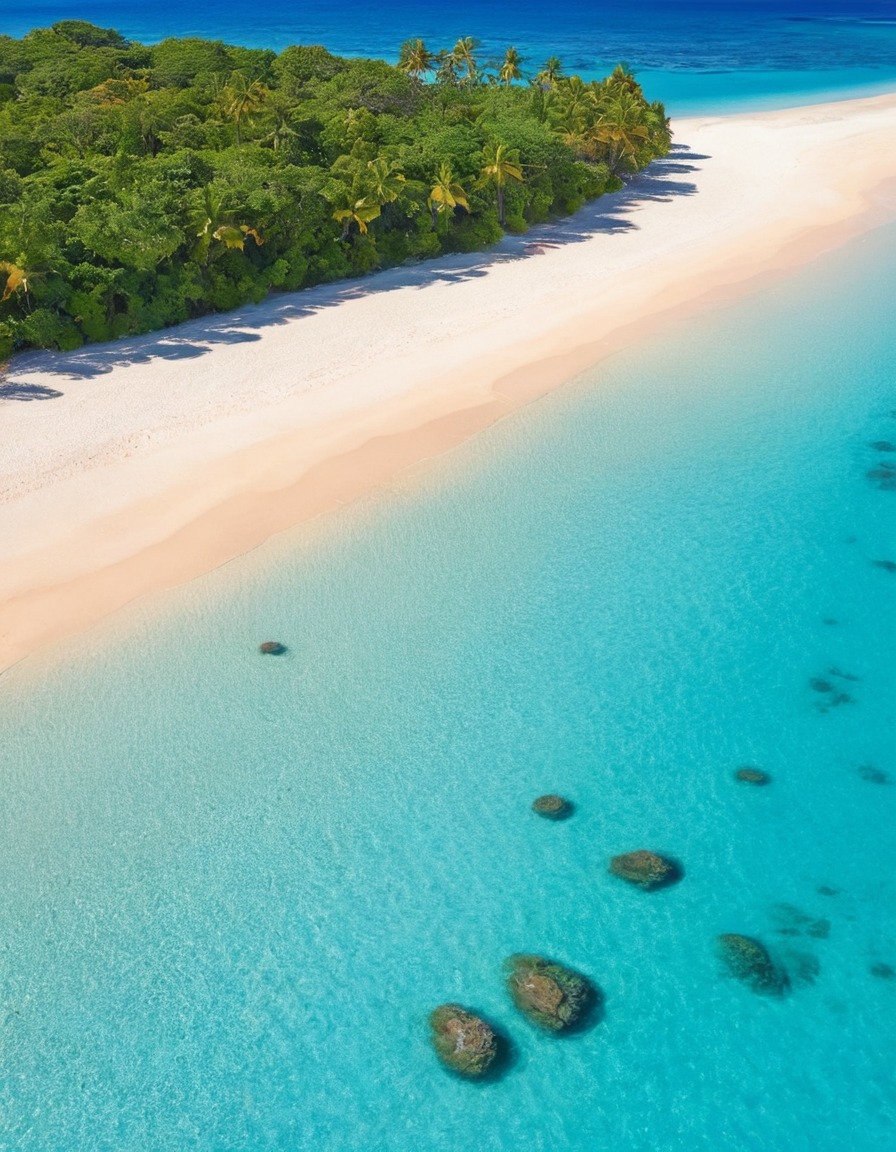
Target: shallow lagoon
233,886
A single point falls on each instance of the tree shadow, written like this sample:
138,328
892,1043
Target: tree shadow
28,392
615,212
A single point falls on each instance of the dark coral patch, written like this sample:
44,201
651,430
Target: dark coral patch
873,775
556,998
272,648
748,960
463,1041
755,776
553,807
647,870
792,921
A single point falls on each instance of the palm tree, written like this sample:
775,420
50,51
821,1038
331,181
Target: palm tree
384,180
570,125
510,69
447,194
415,58
575,95
622,76
365,192
550,73
242,98
446,68
572,110
621,127
501,165
658,127
360,212
280,125
17,279
464,53
214,221
232,236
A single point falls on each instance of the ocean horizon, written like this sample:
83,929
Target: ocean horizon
697,56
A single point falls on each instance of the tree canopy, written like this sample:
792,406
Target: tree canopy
144,185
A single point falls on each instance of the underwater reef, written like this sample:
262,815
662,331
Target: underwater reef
548,994
647,870
748,960
463,1041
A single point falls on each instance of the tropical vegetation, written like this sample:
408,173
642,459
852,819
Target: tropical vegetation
142,185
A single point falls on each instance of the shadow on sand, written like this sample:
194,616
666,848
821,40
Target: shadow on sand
28,392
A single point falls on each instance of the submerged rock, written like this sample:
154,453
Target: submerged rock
648,870
872,774
827,890
882,971
552,807
887,565
272,648
752,776
832,695
883,474
462,1040
552,996
792,921
748,960
883,446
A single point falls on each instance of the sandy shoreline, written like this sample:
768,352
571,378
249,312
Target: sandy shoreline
139,465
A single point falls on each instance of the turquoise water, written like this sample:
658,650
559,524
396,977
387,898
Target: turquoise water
696,55
232,887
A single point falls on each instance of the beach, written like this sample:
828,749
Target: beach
135,466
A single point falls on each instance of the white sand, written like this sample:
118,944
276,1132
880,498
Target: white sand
166,455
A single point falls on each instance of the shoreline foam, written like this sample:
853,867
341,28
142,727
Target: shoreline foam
169,455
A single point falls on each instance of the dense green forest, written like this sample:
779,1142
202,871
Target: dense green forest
144,185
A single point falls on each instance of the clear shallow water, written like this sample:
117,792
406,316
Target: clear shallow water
696,55
232,887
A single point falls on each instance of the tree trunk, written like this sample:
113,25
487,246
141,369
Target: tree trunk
500,205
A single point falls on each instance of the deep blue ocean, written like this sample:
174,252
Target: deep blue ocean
697,55
232,887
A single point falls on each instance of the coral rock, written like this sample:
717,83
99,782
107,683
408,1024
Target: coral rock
645,869
551,996
748,960
462,1040
552,807
272,648
752,776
